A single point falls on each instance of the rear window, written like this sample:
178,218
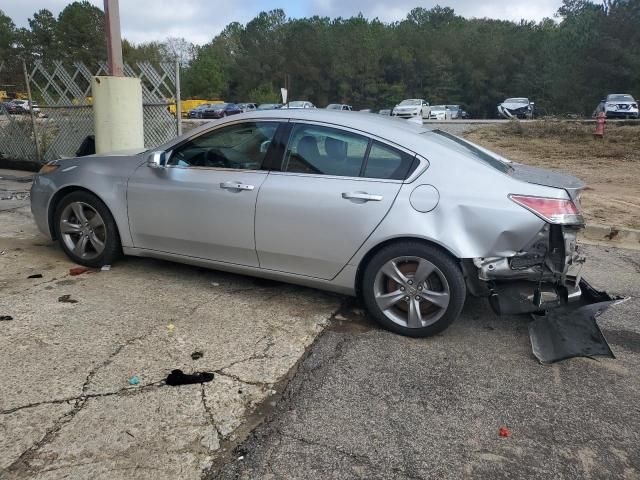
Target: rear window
389,163
475,152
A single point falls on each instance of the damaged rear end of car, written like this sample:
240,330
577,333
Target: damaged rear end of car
545,273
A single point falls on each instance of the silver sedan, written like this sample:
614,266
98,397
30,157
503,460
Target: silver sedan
409,219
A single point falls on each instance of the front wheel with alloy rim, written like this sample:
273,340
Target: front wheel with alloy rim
86,230
413,288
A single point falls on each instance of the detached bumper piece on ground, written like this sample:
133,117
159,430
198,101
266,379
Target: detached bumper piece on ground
571,330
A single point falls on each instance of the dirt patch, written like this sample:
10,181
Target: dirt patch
610,166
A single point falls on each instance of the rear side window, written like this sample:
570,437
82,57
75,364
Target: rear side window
325,151
388,163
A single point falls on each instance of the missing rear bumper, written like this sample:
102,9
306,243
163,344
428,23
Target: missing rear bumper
571,330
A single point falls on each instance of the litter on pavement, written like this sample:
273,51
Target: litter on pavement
77,270
5,318
35,275
67,299
197,355
134,380
178,377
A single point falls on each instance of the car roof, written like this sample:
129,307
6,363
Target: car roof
619,95
399,131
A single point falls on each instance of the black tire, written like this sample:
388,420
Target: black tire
112,246
444,262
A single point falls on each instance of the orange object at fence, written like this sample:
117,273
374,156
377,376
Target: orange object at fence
601,119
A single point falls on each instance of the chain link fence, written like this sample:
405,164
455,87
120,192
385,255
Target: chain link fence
64,113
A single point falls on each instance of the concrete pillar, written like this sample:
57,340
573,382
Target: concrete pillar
117,113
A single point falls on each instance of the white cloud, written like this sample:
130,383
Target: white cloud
387,10
200,20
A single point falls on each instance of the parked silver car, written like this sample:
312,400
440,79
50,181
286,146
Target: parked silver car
408,218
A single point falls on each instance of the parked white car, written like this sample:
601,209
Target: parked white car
620,105
248,107
439,112
517,107
299,104
339,106
412,107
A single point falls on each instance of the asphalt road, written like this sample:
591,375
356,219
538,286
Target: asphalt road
369,404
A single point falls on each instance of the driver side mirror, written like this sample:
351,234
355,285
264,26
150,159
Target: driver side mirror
157,159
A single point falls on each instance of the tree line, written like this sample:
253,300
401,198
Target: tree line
565,64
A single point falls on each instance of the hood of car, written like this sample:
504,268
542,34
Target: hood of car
514,105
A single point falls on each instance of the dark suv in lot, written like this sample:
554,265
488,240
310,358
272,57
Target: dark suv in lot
221,110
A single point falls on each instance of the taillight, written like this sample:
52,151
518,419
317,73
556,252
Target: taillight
552,210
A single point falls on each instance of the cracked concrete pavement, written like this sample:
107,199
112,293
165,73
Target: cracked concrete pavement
67,409
369,404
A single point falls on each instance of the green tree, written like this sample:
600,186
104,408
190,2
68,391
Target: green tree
204,78
7,36
80,30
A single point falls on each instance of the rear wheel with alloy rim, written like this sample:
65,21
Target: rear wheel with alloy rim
86,230
413,288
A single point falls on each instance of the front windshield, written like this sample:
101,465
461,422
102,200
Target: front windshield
620,98
334,106
453,107
296,104
411,101
438,107
220,106
516,100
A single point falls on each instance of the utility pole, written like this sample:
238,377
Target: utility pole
118,119
114,40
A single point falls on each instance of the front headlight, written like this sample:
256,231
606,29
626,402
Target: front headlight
48,167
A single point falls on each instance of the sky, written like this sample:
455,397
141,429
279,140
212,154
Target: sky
200,20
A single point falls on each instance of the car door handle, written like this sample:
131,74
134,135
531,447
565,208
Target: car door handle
236,186
367,197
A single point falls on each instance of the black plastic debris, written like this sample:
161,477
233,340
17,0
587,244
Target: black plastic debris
87,147
5,318
35,275
197,355
67,299
178,377
572,330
